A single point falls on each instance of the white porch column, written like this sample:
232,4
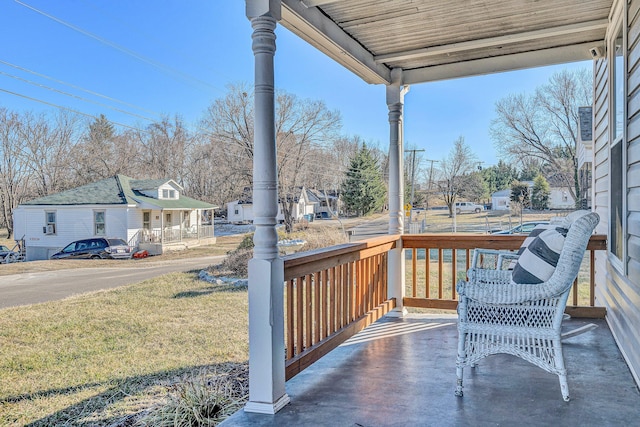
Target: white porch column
395,101
266,270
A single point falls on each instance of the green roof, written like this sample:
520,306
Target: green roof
118,190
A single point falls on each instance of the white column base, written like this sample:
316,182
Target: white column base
398,312
267,408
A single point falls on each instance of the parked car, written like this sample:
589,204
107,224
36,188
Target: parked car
96,248
6,252
524,228
468,207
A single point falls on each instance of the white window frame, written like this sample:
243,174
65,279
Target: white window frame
618,136
53,223
96,223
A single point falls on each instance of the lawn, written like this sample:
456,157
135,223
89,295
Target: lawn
97,358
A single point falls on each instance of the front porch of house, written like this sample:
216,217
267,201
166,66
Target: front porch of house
349,360
173,229
401,372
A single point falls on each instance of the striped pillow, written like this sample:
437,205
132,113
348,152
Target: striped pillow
539,259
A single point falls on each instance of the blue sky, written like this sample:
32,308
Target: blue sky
174,56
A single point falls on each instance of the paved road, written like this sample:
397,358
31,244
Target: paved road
373,228
31,288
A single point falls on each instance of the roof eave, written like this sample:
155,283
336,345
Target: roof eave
326,36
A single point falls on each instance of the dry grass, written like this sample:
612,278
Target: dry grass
98,358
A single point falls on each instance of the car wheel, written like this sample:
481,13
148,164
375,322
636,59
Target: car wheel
95,257
477,210
458,211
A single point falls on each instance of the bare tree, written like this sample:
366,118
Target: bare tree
14,168
163,149
304,128
453,169
545,125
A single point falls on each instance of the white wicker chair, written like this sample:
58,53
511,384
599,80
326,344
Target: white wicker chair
496,315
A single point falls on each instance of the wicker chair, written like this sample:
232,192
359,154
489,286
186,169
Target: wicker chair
496,315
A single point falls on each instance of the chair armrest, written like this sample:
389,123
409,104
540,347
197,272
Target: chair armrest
478,253
504,291
511,256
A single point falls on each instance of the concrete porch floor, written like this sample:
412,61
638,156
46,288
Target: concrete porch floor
401,372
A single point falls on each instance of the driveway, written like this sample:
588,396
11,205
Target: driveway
31,288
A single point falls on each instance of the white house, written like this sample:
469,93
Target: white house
149,214
561,198
241,211
500,200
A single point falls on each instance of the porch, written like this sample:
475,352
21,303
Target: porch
401,372
333,293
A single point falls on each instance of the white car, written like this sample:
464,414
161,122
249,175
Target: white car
468,207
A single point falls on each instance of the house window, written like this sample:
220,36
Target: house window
99,224
167,219
50,222
236,211
146,220
168,194
616,153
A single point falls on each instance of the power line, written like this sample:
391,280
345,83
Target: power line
125,50
73,96
35,73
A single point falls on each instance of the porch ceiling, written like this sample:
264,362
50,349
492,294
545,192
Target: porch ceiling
435,40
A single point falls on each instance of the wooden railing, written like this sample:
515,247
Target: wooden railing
431,278
330,295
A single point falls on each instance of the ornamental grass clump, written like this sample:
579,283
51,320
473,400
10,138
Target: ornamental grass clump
202,400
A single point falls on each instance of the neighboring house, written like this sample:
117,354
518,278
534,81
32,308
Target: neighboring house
561,198
241,211
500,200
150,214
326,202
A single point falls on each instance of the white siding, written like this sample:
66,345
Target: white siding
615,290
72,223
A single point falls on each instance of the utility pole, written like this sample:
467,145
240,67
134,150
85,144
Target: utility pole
413,170
430,179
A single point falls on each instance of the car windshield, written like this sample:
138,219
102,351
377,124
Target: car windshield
4,248
70,247
117,242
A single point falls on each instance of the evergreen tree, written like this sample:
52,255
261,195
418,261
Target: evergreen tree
363,190
540,193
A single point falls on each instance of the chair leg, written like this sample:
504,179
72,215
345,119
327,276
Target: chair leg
459,363
559,362
564,387
458,391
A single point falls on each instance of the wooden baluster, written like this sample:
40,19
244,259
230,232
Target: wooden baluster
427,269
440,271
454,272
300,314
414,272
316,306
308,311
290,323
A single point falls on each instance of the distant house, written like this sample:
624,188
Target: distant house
326,202
559,198
500,200
241,211
150,214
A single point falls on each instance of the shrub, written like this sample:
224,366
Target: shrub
202,400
